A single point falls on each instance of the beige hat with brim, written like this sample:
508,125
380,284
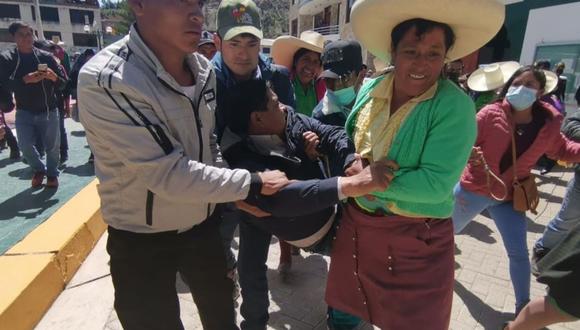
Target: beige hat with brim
492,76
474,22
551,82
284,47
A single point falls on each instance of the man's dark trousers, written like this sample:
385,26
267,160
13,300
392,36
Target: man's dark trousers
144,268
252,269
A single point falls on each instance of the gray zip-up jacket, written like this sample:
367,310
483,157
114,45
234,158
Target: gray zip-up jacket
155,151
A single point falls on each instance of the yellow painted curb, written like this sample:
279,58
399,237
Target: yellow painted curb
35,271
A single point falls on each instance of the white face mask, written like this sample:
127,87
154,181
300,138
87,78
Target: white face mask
521,97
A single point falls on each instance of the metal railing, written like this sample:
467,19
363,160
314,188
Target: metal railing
326,30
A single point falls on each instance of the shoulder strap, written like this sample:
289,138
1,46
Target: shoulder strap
514,155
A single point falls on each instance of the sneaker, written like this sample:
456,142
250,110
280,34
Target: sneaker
52,182
63,159
37,179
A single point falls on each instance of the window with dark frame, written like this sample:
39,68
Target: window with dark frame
84,40
48,14
9,11
49,34
78,16
349,4
5,36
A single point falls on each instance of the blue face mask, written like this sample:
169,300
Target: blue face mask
521,97
344,96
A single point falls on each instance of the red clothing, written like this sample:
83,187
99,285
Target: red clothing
393,271
493,137
320,87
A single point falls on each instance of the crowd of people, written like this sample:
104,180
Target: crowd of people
196,134
36,78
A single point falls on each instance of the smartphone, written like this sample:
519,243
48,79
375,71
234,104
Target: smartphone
42,67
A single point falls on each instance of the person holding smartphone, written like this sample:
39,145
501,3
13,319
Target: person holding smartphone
33,76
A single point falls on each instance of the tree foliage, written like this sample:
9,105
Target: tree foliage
274,14
119,13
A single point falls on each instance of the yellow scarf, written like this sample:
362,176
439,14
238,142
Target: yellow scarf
375,127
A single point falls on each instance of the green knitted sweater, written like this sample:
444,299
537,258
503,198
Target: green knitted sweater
431,148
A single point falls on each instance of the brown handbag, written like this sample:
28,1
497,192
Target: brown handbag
525,195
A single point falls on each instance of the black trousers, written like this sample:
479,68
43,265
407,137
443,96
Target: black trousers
144,268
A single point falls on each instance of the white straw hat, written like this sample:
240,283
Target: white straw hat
551,82
284,47
492,76
474,22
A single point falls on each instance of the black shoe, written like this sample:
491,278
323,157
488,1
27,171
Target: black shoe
91,158
14,154
63,159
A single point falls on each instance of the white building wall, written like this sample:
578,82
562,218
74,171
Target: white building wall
65,27
556,24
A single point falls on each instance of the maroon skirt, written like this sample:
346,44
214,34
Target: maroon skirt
392,271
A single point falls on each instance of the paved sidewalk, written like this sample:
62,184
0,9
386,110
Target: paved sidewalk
24,208
483,293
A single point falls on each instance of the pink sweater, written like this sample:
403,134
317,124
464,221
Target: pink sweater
493,126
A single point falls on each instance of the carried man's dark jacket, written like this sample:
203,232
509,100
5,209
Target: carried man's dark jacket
277,75
302,208
37,97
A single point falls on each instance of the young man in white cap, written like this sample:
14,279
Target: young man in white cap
147,105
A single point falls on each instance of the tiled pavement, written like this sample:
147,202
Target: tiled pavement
483,293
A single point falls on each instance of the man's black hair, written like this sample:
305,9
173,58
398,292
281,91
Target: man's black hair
15,26
243,99
421,26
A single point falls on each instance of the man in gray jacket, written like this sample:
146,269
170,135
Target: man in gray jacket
147,104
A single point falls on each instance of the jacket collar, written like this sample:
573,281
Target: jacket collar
200,67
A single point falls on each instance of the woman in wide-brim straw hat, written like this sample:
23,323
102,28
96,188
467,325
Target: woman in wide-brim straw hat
302,57
393,258
486,80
